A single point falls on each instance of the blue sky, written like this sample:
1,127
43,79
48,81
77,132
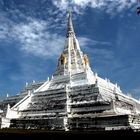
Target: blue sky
32,35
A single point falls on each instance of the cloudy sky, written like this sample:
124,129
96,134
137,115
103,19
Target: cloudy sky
32,35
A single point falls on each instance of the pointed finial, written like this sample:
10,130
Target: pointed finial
29,92
8,106
96,83
7,95
115,89
69,11
48,79
70,25
26,84
96,75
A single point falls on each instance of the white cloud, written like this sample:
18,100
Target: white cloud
34,36
104,54
107,5
5,25
84,41
99,49
61,3
36,39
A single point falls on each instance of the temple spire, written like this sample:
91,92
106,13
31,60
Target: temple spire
70,30
71,60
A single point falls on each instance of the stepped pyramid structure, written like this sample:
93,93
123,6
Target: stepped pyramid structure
75,98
